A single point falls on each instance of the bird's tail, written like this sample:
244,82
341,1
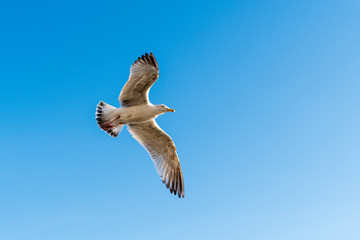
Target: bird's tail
106,119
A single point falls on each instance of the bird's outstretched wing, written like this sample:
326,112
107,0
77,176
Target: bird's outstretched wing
143,73
163,153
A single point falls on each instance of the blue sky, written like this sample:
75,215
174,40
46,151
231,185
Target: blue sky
267,121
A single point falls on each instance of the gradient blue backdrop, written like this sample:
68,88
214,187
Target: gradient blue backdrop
267,121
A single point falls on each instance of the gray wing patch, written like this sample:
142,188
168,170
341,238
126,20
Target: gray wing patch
143,74
163,153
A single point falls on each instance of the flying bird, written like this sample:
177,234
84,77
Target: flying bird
138,114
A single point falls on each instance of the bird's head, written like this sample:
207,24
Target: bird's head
163,109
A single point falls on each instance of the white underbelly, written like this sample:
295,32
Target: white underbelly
136,114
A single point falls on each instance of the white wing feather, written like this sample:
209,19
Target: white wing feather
163,153
143,73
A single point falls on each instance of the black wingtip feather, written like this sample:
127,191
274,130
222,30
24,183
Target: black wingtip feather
173,181
147,58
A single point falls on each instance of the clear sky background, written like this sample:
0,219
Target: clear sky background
267,121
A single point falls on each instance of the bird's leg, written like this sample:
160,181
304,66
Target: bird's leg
109,124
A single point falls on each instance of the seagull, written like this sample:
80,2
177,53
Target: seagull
138,114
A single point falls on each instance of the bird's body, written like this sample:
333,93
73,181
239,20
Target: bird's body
134,114
139,115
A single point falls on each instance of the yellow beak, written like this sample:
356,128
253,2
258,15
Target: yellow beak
171,110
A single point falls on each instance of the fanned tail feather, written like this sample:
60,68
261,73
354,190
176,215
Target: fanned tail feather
105,119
